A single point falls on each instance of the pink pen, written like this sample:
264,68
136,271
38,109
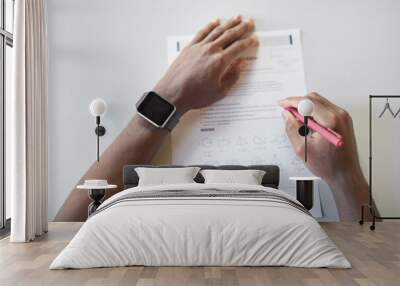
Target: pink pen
330,135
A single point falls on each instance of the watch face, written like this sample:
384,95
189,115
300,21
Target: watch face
155,108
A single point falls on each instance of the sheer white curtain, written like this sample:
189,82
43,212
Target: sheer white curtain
28,122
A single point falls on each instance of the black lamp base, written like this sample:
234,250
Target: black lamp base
303,130
100,130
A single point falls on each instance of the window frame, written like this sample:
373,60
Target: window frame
6,39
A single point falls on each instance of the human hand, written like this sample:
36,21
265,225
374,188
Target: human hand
332,164
209,66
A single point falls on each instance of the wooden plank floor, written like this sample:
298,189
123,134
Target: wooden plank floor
375,257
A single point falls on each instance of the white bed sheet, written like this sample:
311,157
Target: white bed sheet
200,231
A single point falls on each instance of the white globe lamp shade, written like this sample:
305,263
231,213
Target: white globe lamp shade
98,107
305,107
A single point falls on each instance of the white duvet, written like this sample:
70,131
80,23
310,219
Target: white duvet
200,231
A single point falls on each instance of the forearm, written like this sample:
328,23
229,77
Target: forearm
137,144
201,74
350,193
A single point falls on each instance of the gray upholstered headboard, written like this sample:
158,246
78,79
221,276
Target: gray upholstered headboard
270,179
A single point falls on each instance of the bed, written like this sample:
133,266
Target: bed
201,224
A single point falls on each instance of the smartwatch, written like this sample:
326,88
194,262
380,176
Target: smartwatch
157,110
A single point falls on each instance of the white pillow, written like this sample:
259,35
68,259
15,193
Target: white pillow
165,176
248,177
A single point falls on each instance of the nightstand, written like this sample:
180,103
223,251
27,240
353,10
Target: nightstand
96,194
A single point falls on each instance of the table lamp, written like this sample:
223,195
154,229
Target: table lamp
305,108
98,108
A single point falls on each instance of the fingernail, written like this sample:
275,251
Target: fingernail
243,64
238,17
216,21
250,24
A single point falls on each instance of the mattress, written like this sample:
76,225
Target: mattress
201,225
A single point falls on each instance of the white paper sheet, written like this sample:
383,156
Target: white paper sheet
246,127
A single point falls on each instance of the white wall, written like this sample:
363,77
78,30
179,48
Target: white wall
117,49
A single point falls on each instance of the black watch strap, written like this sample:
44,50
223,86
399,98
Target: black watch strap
172,122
